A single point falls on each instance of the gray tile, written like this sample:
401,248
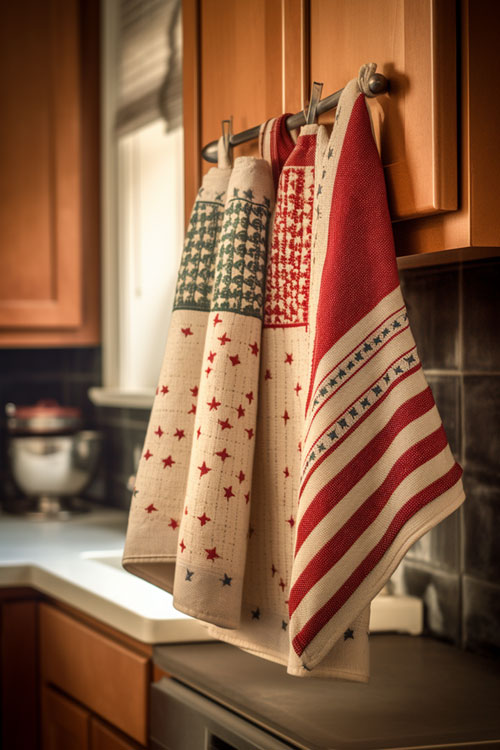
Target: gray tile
481,617
481,282
481,529
432,300
119,496
440,546
446,391
482,427
440,592
85,361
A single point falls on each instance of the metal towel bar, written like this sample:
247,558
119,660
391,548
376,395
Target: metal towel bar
378,84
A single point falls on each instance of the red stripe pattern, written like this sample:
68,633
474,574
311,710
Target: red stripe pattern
375,458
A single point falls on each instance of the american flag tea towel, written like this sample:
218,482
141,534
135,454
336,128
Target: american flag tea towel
198,537
352,462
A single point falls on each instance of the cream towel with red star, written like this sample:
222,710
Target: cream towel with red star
188,524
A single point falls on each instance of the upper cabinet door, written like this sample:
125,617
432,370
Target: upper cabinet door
413,43
40,142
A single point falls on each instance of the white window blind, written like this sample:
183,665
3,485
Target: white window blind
149,64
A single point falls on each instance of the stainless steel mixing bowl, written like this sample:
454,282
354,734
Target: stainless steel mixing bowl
51,467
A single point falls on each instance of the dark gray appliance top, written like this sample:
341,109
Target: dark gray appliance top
422,694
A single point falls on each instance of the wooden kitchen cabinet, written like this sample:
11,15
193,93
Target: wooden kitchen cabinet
68,726
19,696
65,725
49,180
103,674
105,738
253,60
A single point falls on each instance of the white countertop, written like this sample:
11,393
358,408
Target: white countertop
55,557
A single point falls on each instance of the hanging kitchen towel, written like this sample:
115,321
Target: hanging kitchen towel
214,526
158,498
352,463
188,532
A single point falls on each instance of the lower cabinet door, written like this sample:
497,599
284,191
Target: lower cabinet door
65,725
105,738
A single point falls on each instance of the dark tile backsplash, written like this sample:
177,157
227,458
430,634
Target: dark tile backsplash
432,300
454,314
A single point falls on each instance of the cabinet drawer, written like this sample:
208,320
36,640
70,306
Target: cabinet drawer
103,675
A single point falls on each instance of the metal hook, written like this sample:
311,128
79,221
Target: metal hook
313,104
227,131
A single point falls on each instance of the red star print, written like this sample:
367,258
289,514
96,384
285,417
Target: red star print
268,375
173,523
285,416
228,492
150,508
208,371
169,461
194,391
217,320
288,359
164,389
186,510
204,469
250,432
198,433
240,476
159,431
148,455
192,409
282,584
249,396
203,519
225,424
179,434
247,498
212,356
254,347
273,570
212,553
182,545
213,404
291,521
299,448
241,411
223,339
235,360
187,331
286,472
297,388
223,454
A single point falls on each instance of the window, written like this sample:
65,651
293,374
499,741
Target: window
142,207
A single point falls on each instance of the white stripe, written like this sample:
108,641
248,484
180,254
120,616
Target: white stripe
354,386
359,332
367,485
430,515
324,589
